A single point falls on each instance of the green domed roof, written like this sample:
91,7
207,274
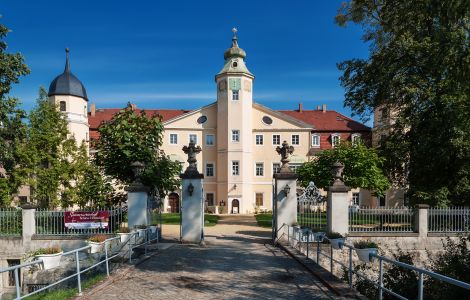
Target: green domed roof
235,58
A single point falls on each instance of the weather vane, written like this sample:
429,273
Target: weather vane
234,30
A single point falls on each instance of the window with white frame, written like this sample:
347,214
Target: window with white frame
235,135
259,169
210,169
315,140
295,139
235,95
276,139
259,139
210,199
193,138
356,138
335,139
173,139
235,167
276,168
295,166
355,199
210,140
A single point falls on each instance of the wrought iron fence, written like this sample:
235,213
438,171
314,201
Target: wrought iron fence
311,208
452,219
10,222
381,219
52,222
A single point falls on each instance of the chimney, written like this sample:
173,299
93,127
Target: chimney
318,107
300,107
324,107
92,109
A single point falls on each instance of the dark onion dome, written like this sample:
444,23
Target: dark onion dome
67,84
234,51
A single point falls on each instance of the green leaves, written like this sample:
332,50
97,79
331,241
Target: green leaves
362,168
132,136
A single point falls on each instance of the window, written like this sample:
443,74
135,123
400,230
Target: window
235,135
193,138
210,199
62,106
235,95
259,169
201,120
173,139
23,199
356,138
235,168
294,167
259,139
355,199
295,139
315,140
210,140
276,168
259,199
267,120
276,139
11,274
209,169
335,139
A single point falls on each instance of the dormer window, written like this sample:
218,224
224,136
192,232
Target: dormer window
235,95
315,140
234,64
62,106
355,138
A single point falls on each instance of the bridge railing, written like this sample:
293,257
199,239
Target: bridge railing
296,238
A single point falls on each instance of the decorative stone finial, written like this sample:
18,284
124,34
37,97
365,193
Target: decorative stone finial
137,168
337,171
285,151
191,151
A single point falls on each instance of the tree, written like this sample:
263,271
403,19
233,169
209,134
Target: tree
362,168
419,69
48,155
12,67
130,137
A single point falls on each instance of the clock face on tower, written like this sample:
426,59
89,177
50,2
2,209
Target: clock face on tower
235,84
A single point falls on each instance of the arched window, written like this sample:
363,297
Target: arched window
62,106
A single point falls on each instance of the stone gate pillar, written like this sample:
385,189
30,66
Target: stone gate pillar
338,202
137,199
285,193
192,204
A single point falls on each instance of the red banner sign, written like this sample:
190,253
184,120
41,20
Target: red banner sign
86,219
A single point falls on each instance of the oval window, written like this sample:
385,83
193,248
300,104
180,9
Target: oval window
202,119
267,120
235,64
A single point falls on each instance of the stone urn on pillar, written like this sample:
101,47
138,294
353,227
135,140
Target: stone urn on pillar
192,204
338,202
285,200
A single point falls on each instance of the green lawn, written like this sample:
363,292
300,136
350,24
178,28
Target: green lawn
64,294
174,219
264,220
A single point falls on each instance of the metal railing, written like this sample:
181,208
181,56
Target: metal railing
78,272
10,222
311,215
452,219
381,219
379,283
51,222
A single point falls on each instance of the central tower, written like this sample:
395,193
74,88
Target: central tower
234,130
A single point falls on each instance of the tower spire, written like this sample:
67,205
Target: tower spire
234,38
67,64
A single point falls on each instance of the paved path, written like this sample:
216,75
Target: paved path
236,263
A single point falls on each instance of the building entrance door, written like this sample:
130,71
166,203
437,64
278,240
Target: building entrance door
235,206
174,202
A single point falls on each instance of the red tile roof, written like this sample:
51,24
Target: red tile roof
329,120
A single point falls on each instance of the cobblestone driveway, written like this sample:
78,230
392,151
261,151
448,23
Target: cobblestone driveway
231,266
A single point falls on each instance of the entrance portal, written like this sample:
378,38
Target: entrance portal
174,202
235,206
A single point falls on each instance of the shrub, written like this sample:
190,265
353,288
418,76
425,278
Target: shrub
50,250
99,238
124,230
365,244
334,235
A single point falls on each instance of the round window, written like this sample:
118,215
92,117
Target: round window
235,64
202,119
267,120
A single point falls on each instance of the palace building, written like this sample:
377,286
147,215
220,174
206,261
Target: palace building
238,136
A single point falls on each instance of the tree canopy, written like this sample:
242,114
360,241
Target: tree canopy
418,69
362,168
12,67
130,136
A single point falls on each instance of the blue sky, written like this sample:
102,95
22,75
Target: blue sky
165,54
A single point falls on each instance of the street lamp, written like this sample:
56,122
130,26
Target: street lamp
190,189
